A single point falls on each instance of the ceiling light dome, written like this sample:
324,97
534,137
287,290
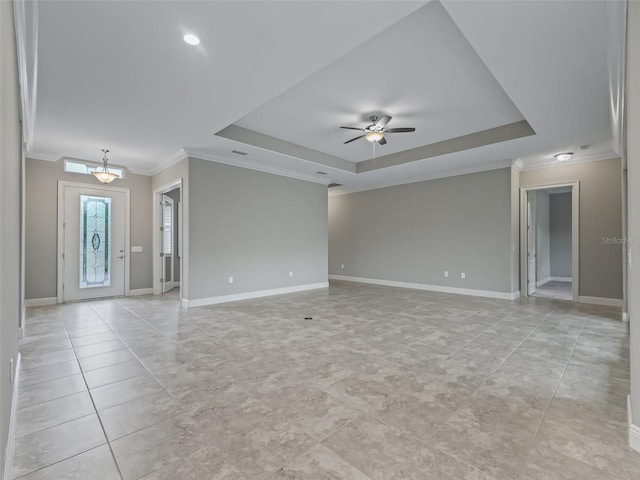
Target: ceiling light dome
374,136
563,157
104,175
191,39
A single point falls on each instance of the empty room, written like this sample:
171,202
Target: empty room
319,240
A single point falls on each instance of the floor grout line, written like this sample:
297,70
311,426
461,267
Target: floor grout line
104,432
555,390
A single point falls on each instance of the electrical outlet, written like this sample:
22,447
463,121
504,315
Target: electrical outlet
230,279
291,274
342,266
446,274
463,275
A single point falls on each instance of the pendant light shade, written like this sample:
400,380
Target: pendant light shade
104,175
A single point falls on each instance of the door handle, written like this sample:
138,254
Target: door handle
121,257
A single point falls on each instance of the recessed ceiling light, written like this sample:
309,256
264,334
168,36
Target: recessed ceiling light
563,157
191,39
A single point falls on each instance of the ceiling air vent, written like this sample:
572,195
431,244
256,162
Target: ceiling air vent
238,152
333,185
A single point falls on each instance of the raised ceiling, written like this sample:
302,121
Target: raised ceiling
422,71
277,79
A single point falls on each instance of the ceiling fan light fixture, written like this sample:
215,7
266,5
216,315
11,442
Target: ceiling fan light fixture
563,157
374,136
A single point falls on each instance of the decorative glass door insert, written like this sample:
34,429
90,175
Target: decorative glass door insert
95,241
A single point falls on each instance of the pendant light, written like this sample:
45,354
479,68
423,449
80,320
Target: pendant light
104,175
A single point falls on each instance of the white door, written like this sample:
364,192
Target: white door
531,243
167,254
94,243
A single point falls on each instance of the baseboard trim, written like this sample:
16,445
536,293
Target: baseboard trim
625,316
634,430
201,302
543,281
8,453
561,279
40,302
609,302
431,288
140,291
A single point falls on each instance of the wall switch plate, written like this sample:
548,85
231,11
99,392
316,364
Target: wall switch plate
446,274
136,249
291,274
230,279
342,266
463,275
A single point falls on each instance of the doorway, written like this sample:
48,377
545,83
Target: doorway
549,241
93,239
167,238
170,244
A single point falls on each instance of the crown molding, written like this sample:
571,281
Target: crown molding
424,178
517,164
45,157
557,163
25,17
203,155
172,160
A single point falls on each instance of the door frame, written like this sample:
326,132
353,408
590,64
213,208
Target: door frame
62,184
157,238
575,235
532,232
173,239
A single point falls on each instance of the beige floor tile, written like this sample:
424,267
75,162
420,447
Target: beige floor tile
50,390
96,464
383,383
46,447
124,391
137,414
54,412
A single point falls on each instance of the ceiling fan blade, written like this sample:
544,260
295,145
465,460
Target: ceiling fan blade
354,128
382,141
354,139
382,122
399,130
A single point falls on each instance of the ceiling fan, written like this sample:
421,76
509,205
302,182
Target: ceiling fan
377,130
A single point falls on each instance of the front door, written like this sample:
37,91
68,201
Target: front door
94,243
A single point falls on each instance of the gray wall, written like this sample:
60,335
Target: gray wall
560,234
543,247
255,227
10,217
633,185
42,217
413,233
600,216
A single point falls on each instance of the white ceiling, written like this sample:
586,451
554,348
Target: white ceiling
118,75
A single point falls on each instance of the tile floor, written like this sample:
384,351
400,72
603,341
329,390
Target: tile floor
555,289
383,383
